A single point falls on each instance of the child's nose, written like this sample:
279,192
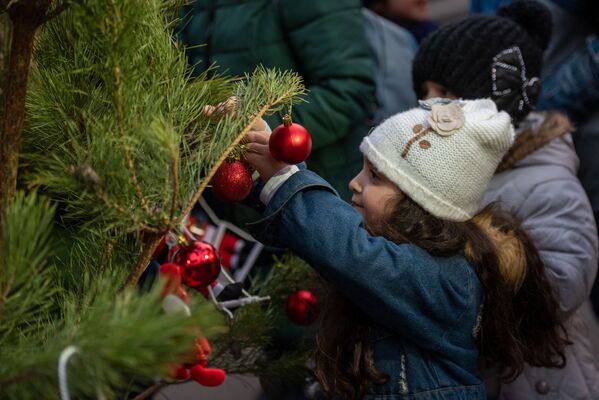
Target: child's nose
354,186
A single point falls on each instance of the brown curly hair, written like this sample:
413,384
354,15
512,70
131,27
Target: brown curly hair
520,324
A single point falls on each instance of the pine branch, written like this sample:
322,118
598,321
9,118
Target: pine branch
150,391
277,88
118,100
232,146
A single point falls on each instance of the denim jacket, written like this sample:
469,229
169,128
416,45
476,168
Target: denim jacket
424,308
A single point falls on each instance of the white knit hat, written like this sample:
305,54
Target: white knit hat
443,154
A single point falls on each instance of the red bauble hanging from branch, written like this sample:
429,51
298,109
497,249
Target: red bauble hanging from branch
290,142
232,181
302,307
200,264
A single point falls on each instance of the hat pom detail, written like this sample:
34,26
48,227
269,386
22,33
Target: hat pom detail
533,17
446,119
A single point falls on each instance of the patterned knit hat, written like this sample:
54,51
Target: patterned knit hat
443,154
498,57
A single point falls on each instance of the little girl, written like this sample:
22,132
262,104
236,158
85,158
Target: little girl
426,285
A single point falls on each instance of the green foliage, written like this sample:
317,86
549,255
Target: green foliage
288,273
117,142
120,336
26,290
116,131
246,347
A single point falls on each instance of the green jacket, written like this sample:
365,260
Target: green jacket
325,42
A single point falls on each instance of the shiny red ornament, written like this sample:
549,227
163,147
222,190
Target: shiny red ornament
290,142
200,264
302,307
232,181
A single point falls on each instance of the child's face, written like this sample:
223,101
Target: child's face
413,10
371,191
434,89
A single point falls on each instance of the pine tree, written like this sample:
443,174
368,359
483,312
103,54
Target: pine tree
115,152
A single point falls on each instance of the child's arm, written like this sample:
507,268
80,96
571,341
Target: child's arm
400,286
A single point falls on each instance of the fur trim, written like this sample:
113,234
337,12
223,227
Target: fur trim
554,126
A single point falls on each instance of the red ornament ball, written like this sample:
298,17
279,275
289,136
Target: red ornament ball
232,181
200,264
290,142
302,307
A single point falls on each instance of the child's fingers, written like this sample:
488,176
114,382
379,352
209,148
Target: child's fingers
225,107
258,148
260,137
259,125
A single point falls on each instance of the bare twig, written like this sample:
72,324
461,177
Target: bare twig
56,12
150,391
144,258
175,183
25,376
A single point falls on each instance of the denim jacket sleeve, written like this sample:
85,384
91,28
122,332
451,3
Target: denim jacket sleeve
401,287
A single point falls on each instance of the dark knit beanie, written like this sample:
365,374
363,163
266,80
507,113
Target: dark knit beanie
498,57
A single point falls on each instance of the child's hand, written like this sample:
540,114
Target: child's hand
258,155
223,108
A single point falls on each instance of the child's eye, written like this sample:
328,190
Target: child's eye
374,174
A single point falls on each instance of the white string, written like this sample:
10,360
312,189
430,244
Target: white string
216,302
62,371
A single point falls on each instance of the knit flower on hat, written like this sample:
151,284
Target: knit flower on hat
446,119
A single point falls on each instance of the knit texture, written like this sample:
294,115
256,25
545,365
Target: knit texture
446,175
459,56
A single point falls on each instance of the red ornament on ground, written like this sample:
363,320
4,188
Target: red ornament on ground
290,142
232,181
302,307
200,264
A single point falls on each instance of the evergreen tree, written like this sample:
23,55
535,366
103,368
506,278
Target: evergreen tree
116,150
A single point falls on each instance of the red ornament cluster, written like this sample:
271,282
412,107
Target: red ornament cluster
200,267
302,307
290,142
232,181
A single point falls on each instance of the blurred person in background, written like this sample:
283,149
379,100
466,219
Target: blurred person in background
394,49
324,41
571,83
409,14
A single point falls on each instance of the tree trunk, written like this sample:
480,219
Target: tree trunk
26,17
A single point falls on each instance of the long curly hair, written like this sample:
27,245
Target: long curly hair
520,324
